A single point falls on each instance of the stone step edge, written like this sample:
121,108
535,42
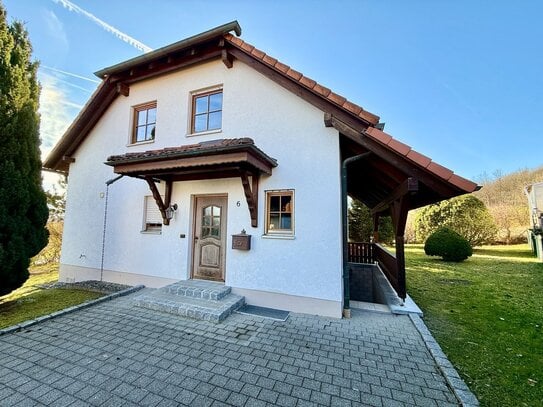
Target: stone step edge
196,292
189,310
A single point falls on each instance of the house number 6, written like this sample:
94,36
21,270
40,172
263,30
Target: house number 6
238,204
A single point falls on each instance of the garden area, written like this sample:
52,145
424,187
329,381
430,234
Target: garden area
35,298
487,315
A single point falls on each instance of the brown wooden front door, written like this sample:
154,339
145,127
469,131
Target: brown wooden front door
209,237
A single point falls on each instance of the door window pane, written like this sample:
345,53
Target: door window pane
211,222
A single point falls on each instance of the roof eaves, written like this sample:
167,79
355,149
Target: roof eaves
176,46
422,161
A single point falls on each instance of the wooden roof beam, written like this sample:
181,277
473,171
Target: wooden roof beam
440,186
408,187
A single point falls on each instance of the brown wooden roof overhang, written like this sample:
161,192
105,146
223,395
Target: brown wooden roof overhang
222,158
393,170
217,43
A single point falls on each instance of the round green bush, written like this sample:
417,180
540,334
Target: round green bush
448,245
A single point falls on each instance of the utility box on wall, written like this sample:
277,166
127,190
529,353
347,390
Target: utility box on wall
241,241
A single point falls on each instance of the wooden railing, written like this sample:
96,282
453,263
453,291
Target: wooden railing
360,252
374,252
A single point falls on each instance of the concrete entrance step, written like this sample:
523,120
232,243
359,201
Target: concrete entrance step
196,301
207,290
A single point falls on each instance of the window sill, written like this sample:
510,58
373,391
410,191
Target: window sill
139,143
279,237
203,133
151,232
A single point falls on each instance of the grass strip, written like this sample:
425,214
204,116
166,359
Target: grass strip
487,315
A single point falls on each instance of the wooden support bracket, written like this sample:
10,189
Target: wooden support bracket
251,194
162,204
227,59
123,89
409,187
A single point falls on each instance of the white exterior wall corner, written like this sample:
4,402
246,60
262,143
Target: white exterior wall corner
280,123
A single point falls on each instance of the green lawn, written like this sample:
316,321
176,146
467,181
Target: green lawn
31,301
487,315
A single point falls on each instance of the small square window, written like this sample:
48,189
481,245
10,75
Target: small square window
206,111
144,123
152,218
280,212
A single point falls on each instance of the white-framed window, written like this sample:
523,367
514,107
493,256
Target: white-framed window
206,111
144,123
152,218
279,212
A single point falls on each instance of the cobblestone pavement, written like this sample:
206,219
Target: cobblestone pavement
115,354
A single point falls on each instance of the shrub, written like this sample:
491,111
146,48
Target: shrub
448,245
466,215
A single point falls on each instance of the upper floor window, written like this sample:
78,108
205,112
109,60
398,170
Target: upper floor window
144,122
206,111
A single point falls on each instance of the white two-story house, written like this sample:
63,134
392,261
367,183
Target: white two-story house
214,138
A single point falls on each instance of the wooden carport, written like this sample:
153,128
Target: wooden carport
391,179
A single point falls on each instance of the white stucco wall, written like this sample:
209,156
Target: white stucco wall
281,124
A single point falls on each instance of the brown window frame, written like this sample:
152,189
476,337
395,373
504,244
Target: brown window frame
279,232
207,94
136,110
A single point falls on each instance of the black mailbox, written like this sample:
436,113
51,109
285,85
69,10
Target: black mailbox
241,241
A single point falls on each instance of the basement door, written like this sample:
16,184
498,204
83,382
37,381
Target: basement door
209,237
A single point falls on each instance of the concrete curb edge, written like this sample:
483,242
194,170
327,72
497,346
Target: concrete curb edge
453,379
109,297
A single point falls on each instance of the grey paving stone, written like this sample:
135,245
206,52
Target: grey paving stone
137,356
269,396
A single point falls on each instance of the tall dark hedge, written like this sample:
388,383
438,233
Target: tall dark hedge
23,208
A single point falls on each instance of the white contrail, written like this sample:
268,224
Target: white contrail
72,85
119,34
70,74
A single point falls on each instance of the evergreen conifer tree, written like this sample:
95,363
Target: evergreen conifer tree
23,208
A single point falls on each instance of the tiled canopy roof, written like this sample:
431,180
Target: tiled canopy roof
221,158
206,147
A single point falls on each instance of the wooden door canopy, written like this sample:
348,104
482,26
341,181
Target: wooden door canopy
223,158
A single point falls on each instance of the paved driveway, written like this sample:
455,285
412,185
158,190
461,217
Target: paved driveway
115,354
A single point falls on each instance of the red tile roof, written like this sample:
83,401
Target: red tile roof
421,160
308,83
103,97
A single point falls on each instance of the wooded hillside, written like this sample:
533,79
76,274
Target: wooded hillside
504,197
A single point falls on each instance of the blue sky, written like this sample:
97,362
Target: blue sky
460,81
